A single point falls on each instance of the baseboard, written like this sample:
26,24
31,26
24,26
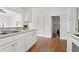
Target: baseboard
31,46
44,36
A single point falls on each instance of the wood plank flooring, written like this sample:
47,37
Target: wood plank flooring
49,45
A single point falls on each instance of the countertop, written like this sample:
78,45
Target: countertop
75,39
12,34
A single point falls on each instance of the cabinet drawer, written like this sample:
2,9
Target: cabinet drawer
6,40
19,36
7,46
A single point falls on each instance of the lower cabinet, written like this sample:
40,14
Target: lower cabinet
18,43
7,48
30,39
20,46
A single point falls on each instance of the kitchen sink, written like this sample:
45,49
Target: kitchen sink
3,33
8,32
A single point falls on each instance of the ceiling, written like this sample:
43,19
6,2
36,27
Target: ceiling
19,9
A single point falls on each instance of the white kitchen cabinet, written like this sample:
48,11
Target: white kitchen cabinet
6,40
6,44
7,48
30,39
27,15
20,42
20,46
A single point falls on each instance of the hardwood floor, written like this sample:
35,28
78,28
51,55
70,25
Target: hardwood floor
49,45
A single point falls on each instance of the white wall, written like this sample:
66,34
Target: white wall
46,13
26,12
41,20
68,22
15,14
10,18
73,20
63,13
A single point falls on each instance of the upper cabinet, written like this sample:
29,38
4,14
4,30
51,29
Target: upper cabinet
27,15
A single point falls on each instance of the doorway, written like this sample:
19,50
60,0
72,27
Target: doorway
56,26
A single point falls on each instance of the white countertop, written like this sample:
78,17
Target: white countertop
75,39
12,34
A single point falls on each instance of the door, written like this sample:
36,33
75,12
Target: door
56,25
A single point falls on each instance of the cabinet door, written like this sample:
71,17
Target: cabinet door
34,37
7,48
5,41
20,46
30,39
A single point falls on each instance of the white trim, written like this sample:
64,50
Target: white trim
44,36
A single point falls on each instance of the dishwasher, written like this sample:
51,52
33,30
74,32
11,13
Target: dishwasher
75,48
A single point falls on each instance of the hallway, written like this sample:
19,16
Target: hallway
49,45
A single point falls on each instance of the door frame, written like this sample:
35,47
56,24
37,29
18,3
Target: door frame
52,26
